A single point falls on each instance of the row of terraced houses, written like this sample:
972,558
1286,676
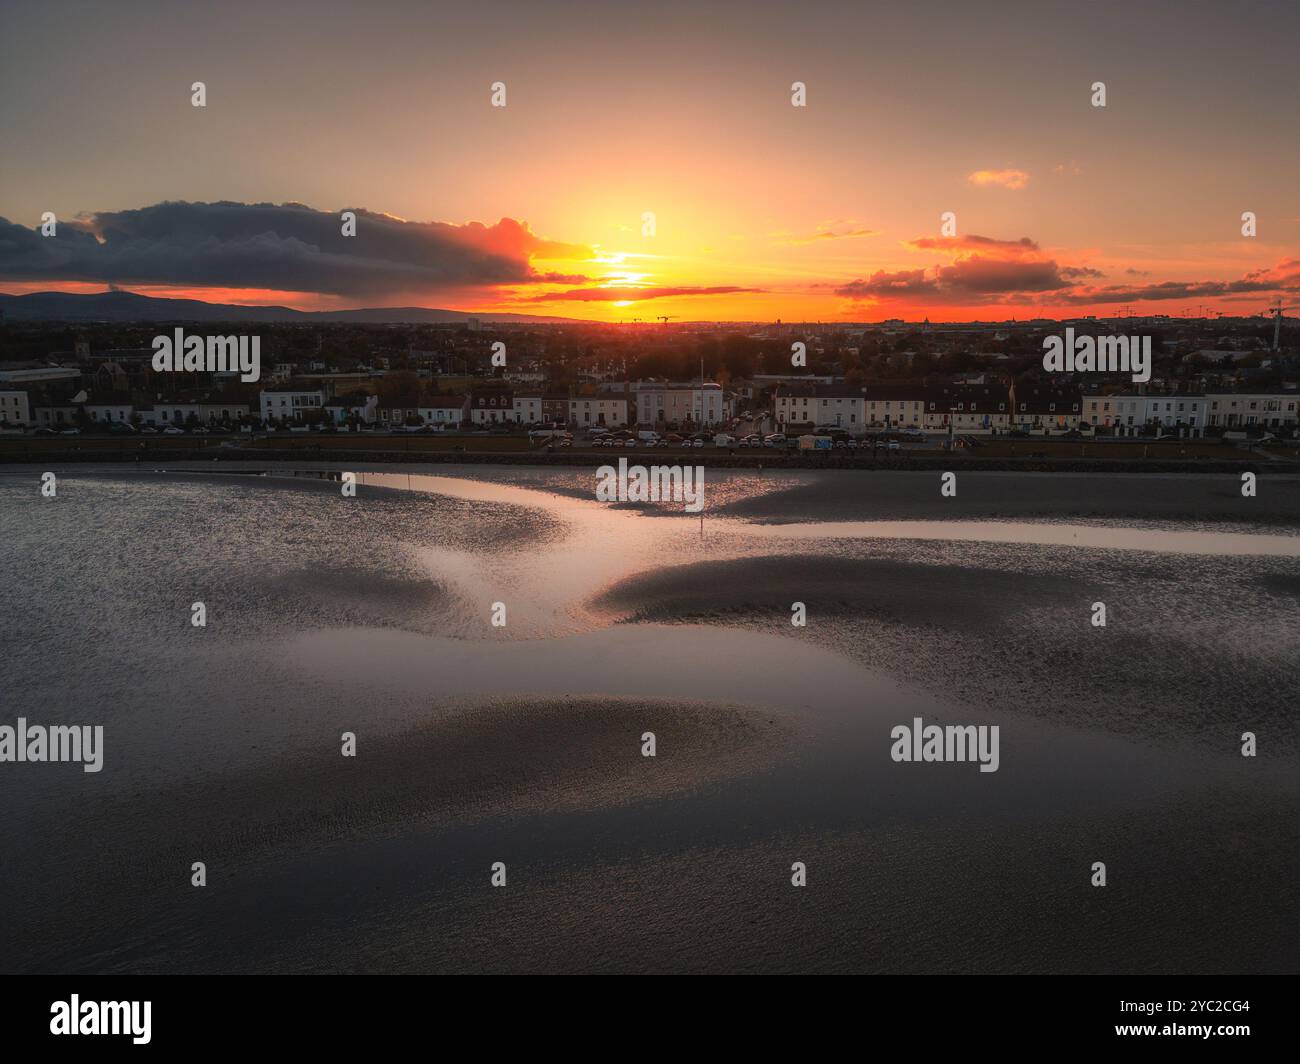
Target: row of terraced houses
980,406
1004,406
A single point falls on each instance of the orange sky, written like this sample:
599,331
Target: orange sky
763,210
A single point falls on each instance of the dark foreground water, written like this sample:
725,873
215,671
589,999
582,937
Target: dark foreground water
522,744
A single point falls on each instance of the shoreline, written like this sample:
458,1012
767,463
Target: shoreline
775,460
1198,497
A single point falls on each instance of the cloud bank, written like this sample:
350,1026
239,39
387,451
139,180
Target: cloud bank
287,246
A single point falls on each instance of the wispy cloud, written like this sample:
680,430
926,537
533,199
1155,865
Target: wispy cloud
1012,179
622,294
822,235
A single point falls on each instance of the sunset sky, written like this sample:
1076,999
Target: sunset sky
762,210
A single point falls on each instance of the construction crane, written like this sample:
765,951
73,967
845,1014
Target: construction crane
1277,320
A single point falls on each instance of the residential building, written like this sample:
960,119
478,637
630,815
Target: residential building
664,403
58,415
397,412
528,408
969,408
555,407
1127,410
606,410
1265,409
218,411
495,407
359,405
169,413
896,406
820,405
290,405
1045,407
449,411
109,409
14,408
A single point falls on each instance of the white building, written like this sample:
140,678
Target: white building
668,403
823,406
216,412
164,413
14,408
897,406
449,411
1137,411
528,408
290,406
605,410
107,413
1270,410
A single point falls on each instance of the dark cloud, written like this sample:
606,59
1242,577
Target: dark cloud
1167,290
1284,277
984,270
977,278
289,247
970,279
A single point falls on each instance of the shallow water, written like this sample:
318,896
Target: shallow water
374,615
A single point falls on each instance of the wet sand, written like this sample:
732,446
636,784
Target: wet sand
471,762
1011,626
523,745
860,495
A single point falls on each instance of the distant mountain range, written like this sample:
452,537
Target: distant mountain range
118,306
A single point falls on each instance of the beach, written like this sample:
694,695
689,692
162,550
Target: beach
524,744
